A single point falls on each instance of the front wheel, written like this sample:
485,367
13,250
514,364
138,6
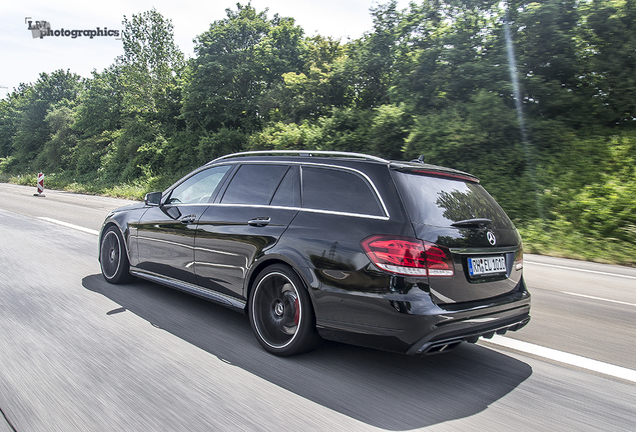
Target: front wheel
280,312
112,257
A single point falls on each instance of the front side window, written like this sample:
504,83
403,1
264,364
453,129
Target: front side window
198,188
339,191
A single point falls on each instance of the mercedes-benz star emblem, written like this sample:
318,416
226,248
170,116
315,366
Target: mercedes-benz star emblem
491,238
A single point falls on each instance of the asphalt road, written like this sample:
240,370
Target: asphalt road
79,354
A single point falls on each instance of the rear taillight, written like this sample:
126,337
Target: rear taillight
408,256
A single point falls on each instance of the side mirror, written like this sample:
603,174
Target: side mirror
153,198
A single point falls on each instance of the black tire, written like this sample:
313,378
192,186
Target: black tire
281,313
113,258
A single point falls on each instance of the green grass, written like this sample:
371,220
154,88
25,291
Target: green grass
559,238
134,190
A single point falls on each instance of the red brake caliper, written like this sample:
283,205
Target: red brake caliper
296,311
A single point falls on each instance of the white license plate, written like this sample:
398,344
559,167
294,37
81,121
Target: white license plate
486,265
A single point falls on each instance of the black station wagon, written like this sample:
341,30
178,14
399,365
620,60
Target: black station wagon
400,256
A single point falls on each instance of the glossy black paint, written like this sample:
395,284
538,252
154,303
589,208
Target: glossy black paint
227,244
165,240
215,250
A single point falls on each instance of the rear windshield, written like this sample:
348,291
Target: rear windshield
440,201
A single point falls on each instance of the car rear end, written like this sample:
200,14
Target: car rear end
465,253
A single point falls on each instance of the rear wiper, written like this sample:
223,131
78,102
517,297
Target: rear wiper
472,223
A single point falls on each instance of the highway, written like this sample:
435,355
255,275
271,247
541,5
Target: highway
79,354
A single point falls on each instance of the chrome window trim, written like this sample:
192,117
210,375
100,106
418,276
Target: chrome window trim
330,166
265,206
309,210
331,212
143,237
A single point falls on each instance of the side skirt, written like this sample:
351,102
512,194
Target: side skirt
189,288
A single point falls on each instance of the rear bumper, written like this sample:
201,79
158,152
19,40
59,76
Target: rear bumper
413,324
452,334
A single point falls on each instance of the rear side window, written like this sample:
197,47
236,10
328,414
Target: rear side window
440,201
288,192
339,191
254,184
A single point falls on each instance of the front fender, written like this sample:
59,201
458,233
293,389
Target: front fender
124,219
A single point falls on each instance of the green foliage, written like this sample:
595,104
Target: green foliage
225,141
150,63
281,136
608,42
560,238
432,79
56,153
600,204
464,132
314,92
239,59
90,153
100,106
388,131
30,107
8,126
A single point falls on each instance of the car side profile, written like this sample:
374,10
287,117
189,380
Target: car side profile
399,256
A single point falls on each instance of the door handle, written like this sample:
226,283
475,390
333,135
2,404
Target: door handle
259,221
186,220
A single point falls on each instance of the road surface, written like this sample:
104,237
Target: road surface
79,354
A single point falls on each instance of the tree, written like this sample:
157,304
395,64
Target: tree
548,60
101,103
315,92
239,59
9,121
58,89
608,43
56,153
389,131
146,81
151,62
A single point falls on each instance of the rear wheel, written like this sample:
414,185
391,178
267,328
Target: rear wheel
280,312
113,258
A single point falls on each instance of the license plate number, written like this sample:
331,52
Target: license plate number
486,265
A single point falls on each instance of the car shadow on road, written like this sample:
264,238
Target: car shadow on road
384,390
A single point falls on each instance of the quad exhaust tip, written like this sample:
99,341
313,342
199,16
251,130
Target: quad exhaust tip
437,347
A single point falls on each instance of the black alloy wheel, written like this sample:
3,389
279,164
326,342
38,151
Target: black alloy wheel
112,257
280,312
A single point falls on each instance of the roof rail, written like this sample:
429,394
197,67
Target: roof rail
301,153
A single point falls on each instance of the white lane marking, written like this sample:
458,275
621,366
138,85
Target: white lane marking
567,358
598,298
562,357
68,225
580,269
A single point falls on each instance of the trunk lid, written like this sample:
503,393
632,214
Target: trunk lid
452,209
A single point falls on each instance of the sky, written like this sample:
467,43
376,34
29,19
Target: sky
25,57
